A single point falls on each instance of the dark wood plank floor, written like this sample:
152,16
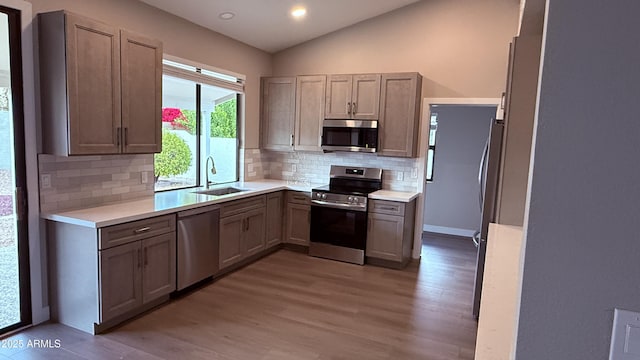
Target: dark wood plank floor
290,306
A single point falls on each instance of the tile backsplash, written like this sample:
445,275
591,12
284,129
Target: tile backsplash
85,181
310,167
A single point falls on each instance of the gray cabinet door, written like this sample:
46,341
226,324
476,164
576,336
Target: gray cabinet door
254,232
399,114
93,85
159,266
384,236
310,107
365,98
274,219
120,280
231,232
278,113
141,93
338,97
298,224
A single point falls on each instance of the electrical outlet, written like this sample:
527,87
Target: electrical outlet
144,177
625,336
293,167
45,181
414,173
400,176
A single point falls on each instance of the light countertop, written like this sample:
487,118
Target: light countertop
500,294
401,196
168,202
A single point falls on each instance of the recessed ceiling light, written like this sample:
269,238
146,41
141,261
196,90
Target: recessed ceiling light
227,15
298,12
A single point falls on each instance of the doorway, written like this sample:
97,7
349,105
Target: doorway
458,133
15,303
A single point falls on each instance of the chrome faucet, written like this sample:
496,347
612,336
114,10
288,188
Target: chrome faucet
213,171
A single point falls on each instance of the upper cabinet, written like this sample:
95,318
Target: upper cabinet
398,128
278,112
293,109
101,88
353,97
309,112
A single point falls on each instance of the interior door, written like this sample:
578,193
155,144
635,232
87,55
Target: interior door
15,302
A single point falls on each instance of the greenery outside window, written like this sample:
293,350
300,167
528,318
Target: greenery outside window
433,127
199,120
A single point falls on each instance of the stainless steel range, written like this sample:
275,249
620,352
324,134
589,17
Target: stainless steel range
339,213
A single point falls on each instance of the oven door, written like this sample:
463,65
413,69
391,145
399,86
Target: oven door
339,227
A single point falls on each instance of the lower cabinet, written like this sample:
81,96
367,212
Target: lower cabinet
298,218
100,277
274,219
390,232
242,229
135,274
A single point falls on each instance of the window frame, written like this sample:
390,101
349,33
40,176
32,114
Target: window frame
186,70
432,125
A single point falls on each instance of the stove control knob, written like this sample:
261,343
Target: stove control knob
323,196
350,199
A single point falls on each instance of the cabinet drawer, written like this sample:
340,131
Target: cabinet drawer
298,197
386,207
242,205
121,234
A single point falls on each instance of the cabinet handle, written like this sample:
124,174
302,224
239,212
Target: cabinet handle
244,225
369,224
299,198
126,132
291,140
139,258
141,230
146,258
349,108
355,108
246,221
118,130
389,208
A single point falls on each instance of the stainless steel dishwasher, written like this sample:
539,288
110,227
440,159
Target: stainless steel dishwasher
197,251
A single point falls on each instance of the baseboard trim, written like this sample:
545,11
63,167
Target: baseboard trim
448,230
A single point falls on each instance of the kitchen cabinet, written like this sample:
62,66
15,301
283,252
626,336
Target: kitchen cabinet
101,277
278,113
310,107
398,128
135,274
101,87
519,112
242,229
298,218
390,232
274,219
353,97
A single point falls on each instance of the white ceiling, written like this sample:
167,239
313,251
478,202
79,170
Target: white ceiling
267,25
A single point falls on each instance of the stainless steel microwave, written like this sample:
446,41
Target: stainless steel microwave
350,135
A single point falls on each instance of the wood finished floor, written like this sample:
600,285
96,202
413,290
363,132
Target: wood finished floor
291,306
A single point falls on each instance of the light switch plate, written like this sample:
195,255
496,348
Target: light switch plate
625,337
400,176
414,173
45,181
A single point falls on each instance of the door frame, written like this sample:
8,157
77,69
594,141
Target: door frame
424,146
37,249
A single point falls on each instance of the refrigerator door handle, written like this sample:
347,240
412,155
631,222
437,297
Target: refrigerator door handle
476,238
481,174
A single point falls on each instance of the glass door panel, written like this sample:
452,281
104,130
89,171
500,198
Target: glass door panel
14,285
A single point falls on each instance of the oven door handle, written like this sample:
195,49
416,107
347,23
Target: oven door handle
338,206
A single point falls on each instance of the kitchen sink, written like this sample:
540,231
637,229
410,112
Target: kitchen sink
221,191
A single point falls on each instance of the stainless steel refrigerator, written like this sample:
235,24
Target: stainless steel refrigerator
488,179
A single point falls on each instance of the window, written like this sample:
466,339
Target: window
199,122
433,127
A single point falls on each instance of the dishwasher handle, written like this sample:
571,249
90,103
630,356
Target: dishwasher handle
197,211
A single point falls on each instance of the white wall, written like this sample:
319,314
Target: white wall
582,227
452,198
461,47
